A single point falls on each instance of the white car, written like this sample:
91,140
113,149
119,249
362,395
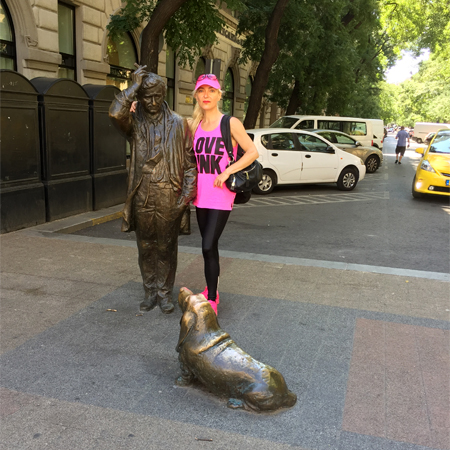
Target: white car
367,131
299,157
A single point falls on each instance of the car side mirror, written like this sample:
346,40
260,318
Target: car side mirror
358,144
330,149
420,150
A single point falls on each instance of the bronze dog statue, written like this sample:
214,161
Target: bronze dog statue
207,353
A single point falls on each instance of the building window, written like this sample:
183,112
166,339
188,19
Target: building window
248,91
66,36
200,67
7,41
170,75
228,96
122,55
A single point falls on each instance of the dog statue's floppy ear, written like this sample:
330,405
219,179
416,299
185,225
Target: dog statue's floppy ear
186,324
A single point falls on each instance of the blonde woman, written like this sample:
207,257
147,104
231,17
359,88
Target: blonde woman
214,200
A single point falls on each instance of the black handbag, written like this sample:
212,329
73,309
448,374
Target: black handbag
246,179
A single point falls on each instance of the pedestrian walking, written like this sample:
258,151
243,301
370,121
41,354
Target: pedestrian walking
214,200
402,137
161,183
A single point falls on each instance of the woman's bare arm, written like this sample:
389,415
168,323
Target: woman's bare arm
240,136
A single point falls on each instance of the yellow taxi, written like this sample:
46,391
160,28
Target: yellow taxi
433,172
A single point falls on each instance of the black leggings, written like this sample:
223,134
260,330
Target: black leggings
211,223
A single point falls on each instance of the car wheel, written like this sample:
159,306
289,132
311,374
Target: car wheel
267,183
347,179
415,194
372,164
419,141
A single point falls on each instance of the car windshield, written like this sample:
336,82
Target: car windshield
441,143
343,139
284,122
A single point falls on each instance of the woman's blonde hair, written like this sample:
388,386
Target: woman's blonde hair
197,115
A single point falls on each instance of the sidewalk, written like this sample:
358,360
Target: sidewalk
366,353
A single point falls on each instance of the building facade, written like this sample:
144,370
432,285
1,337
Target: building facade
62,39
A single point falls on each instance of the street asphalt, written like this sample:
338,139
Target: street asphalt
364,344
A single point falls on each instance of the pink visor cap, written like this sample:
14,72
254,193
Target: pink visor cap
208,79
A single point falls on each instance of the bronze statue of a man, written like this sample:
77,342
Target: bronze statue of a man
161,182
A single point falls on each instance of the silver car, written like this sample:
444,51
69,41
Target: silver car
372,157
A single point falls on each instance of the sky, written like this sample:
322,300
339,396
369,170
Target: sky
405,67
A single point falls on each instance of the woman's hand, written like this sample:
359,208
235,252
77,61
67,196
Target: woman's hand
240,136
133,107
220,180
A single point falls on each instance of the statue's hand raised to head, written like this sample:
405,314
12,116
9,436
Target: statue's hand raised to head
137,77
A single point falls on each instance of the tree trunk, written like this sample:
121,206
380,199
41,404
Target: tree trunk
270,55
164,10
294,101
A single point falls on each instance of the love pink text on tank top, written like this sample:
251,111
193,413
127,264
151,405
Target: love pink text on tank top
212,160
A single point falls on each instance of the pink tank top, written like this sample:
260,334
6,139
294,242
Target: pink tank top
212,160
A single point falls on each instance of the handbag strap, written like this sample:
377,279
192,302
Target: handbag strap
226,135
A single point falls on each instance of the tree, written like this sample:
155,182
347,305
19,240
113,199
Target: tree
329,61
423,98
268,57
389,111
416,24
188,26
333,63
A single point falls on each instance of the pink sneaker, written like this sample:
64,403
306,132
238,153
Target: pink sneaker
213,305
205,293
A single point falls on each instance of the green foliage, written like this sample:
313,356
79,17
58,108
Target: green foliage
193,27
253,21
389,105
336,51
330,48
130,17
416,24
187,32
423,98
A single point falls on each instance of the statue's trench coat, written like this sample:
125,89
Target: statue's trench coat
178,154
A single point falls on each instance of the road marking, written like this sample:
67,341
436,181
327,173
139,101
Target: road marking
292,200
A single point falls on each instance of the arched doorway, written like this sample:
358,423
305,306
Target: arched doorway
7,39
228,95
122,55
200,68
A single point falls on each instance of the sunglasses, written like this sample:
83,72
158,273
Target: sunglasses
210,76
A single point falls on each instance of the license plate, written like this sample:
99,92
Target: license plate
447,182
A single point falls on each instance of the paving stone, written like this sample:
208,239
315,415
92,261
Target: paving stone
75,375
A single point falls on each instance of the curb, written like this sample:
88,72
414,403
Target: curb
89,223
72,224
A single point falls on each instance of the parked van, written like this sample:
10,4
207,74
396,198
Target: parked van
421,129
366,131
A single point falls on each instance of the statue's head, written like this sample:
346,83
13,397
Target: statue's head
152,92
